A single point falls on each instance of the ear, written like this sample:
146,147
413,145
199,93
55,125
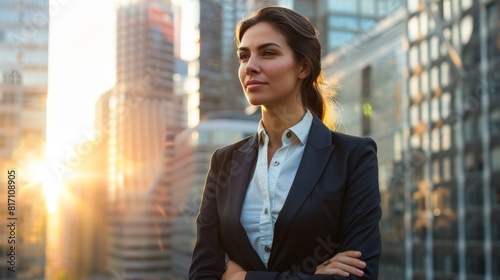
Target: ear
304,69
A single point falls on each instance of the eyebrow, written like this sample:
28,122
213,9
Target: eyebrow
260,47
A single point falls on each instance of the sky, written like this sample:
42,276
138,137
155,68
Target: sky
81,67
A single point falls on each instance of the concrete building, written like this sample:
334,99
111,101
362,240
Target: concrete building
23,93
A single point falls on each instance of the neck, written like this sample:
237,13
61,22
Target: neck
278,119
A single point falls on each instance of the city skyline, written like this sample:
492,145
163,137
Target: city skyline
134,93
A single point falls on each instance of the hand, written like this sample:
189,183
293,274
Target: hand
233,272
343,264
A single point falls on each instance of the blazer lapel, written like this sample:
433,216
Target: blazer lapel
242,168
317,152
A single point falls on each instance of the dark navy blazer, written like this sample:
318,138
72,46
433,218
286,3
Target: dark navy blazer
333,206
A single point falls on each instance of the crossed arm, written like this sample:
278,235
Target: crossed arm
342,264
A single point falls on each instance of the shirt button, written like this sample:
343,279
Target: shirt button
288,134
276,163
267,249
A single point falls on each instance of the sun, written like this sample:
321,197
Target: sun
38,173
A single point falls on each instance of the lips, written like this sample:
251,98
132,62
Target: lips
254,84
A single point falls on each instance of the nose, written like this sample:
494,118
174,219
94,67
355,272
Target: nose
251,66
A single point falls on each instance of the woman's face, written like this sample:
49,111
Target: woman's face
268,72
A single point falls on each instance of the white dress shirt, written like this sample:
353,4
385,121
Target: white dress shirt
269,186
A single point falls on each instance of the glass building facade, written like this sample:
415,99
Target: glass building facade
218,65
339,21
369,85
452,194
23,92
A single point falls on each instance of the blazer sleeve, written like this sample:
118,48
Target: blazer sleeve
208,261
360,215
361,211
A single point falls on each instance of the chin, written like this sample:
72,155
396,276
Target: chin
255,101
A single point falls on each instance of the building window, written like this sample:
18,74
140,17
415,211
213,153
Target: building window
445,74
447,169
445,105
467,4
492,17
496,264
473,195
435,171
495,227
495,121
435,116
413,57
424,24
342,6
424,107
446,10
495,194
424,81
474,228
466,27
474,261
434,78
445,261
413,84
435,141
446,137
494,82
434,49
413,29
495,158
474,161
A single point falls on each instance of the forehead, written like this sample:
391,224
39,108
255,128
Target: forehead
262,33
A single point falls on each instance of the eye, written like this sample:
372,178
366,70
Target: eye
269,53
243,56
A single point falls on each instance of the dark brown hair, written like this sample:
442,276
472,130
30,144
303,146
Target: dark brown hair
302,38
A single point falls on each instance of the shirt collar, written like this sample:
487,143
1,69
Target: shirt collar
300,130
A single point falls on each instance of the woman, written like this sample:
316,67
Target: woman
296,200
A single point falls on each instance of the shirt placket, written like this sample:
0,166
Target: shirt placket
265,229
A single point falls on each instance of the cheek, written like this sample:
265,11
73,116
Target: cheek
241,73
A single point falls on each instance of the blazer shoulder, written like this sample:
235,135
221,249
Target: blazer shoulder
234,146
350,142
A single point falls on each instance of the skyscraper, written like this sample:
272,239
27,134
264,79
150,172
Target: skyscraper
453,230
23,92
143,108
218,64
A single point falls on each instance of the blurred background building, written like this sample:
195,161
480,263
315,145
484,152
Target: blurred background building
143,108
23,92
193,150
337,21
216,63
368,76
453,200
